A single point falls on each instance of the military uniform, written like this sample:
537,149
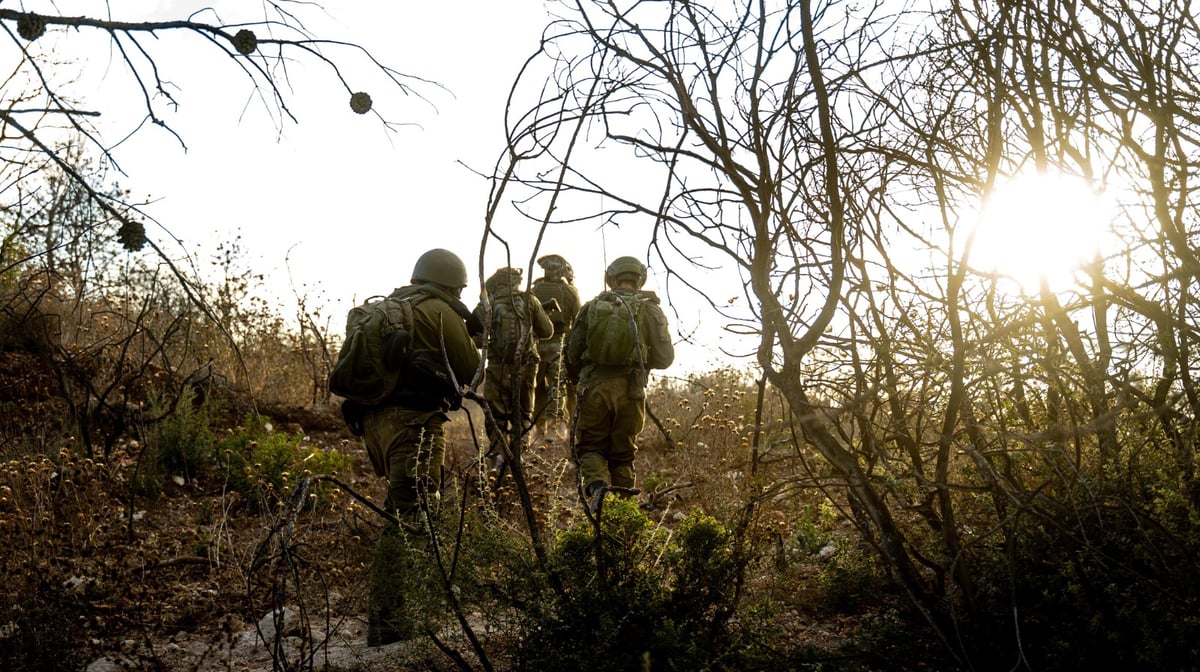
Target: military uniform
404,435
554,402
612,402
512,361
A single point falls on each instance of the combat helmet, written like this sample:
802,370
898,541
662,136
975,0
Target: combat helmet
625,266
506,277
441,267
556,268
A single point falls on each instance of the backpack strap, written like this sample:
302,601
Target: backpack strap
474,326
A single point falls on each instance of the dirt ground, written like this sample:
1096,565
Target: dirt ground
105,577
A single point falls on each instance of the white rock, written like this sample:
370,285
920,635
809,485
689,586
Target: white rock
827,551
105,665
285,621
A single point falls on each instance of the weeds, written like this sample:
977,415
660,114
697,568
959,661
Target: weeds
262,464
635,594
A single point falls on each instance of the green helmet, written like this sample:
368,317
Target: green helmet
556,268
441,267
504,277
625,266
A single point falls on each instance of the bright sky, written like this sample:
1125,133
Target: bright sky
338,207
1041,227
333,207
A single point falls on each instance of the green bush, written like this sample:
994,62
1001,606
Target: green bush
1115,585
262,465
850,579
635,596
182,443
43,635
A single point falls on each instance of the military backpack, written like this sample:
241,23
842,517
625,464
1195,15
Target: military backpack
546,290
368,368
510,317
613,330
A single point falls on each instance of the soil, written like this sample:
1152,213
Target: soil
106,576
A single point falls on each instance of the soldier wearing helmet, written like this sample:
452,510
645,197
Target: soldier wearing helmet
516,322
554,402
404,435
617,338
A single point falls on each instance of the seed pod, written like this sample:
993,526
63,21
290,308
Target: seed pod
245,41
132,235
360,102
31,26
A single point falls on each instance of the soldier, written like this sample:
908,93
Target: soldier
618,337
518,323
554,402
404,434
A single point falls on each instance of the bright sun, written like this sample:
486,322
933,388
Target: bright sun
1039,226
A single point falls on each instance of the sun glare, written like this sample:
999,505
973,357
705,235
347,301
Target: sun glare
1039,227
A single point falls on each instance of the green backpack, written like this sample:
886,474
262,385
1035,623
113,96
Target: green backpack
508,321
545,290
361,373
613,322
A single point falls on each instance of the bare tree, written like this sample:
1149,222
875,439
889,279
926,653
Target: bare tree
38,111
71,231
831,157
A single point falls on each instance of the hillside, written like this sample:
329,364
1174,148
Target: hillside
117,564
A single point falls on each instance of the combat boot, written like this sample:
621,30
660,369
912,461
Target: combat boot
594,492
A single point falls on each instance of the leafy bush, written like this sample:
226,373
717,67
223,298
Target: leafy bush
1114,585
850,579
181,444
634,595
261,464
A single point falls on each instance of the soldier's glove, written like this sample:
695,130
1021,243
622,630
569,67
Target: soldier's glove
353,414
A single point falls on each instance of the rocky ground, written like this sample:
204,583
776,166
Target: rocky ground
104,576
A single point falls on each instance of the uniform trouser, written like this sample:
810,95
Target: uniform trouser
408,447
509,392
553,401
606,428
389,614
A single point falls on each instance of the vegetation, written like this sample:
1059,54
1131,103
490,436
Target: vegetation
928,466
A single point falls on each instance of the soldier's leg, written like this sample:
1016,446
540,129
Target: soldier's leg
525,396
628,421
593,429
414,442
429,457
386,622
541,396
416,449
550,383
498,421
568,401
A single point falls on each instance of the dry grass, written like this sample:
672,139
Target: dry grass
99,562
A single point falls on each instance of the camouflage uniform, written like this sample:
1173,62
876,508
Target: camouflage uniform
511,366
554,402
404,435
612,399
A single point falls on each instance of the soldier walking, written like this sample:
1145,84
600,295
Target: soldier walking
404,433
518,322
618,337
554,401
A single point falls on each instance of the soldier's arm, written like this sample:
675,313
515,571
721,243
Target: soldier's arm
460,349
572,301
661,351
576,342
542,326
477,338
